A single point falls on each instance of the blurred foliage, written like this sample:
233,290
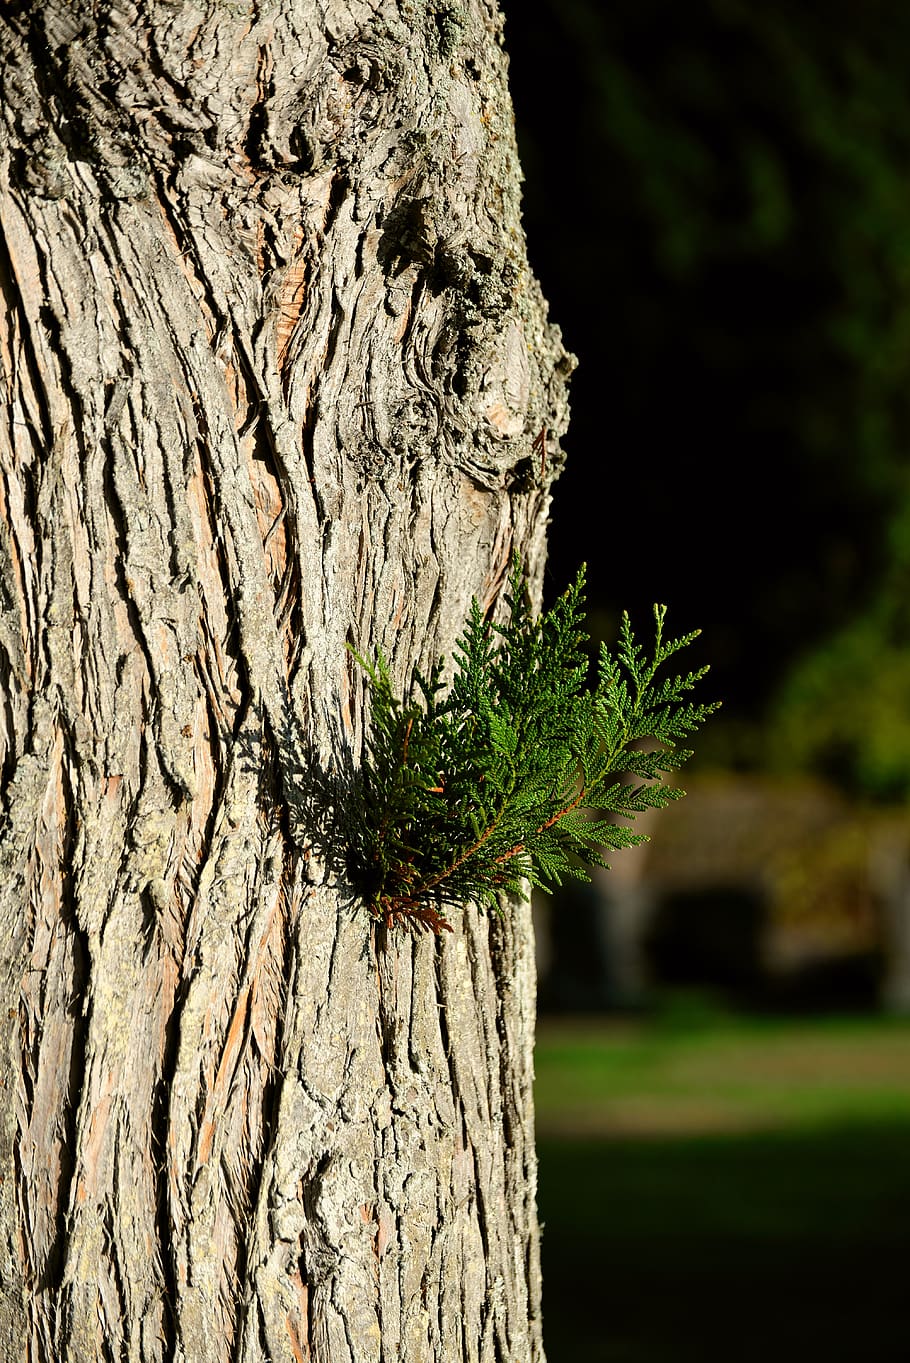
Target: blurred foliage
845,711
718,203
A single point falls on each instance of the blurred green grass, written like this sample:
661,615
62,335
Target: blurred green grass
718,1189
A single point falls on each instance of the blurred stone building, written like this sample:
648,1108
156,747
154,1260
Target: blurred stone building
769,893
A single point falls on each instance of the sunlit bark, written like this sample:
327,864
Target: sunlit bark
273,372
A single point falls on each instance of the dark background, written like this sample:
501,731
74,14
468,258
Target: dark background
717,203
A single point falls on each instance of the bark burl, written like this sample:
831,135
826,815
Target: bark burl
275,374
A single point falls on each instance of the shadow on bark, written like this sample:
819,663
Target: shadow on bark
322,808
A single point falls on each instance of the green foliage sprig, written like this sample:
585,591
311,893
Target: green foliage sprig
516,774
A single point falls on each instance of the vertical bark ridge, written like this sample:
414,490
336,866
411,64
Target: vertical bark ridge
275,371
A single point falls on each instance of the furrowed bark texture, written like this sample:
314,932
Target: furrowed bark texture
275,375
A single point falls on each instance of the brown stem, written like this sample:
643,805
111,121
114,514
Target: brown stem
465,856
520,846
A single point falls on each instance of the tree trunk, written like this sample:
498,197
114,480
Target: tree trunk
274,369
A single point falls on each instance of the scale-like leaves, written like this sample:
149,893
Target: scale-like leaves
517,776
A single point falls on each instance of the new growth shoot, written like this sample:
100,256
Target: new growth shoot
515,775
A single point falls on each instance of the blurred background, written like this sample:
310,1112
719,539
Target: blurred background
717,203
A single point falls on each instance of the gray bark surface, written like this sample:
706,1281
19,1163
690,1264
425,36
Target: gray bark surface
273,369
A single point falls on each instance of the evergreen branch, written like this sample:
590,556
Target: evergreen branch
518,774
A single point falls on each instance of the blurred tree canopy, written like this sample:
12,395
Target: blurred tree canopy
718,204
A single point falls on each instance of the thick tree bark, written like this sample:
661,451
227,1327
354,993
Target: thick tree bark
273,372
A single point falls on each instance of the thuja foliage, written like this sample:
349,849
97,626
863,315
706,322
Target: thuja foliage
516,773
